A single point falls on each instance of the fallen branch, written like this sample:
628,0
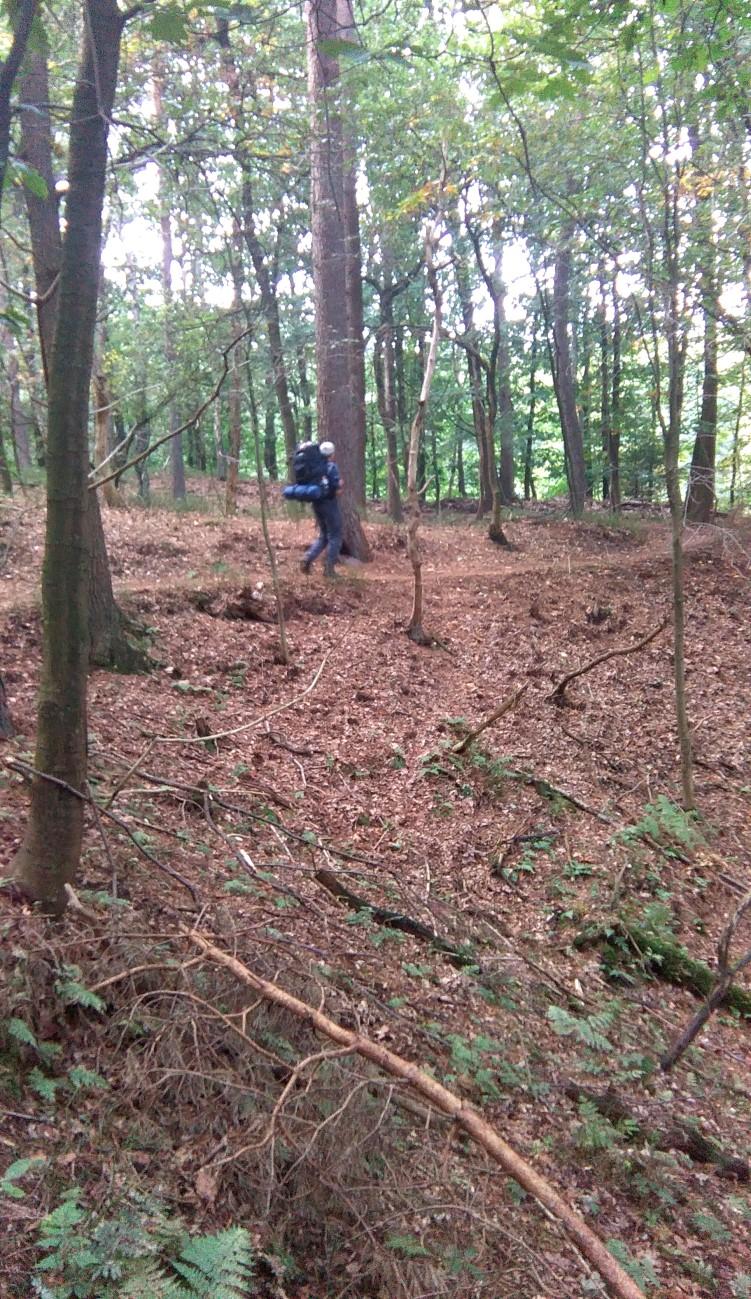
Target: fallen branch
726,972
330,881
665,958
464,1115
558,695
682,1135
510,702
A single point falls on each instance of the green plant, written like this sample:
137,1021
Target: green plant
711,1226
741,1286
138,1253
667,824
588,1029
641,1270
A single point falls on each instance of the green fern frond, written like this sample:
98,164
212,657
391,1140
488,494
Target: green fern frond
218,1266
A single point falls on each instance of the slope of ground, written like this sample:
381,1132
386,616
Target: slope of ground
347,1186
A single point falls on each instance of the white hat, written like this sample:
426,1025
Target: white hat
327,448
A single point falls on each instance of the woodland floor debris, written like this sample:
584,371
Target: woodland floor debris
356,777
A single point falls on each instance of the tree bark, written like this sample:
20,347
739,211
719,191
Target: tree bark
329,266
700,499
564,377
476,387
529,481
7,730
236,384
47,252
50,852
614,441
176,457
23,17
353,277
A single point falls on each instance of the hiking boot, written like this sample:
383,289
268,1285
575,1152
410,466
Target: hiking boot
305,566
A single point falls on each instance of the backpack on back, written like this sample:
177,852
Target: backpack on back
309,464
310,469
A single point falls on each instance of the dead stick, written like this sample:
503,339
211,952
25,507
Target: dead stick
560,689
468,1118
510,702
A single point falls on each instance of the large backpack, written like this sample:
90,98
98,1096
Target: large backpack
309,465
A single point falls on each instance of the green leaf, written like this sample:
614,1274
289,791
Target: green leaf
14,1173
19,1030
169,24
410,1246
79,1077
29,177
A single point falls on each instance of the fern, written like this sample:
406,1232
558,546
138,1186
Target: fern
218,1266
139,1254
589,1030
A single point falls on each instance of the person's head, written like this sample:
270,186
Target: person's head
327,449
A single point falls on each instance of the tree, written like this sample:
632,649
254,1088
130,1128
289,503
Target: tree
109,645
334,394
48,857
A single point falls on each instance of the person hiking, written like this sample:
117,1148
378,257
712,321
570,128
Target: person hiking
328,517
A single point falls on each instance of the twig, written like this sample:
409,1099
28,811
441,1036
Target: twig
510,702
194,418
558,695
465,1116
726,972
247,726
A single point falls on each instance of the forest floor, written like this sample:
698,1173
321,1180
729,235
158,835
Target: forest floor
165,1080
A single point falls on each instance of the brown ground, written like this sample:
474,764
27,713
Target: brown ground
360,761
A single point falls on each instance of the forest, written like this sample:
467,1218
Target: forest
376,924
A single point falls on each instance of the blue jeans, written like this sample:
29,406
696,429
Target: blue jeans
329,520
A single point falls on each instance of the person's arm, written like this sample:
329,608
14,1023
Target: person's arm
335,479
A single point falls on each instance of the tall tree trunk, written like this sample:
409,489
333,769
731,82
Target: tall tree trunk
304,382
6,480
269,433
614,441
353,272
18,422
700,497
176,456
102,393
236,384
564,377
270,308
385,374
461,483
529,481
47,251
476,388
329,265
505,401
736,449
48,857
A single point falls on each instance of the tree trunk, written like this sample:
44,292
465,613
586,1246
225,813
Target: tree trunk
270,307
302,375
476,387
269,438
385,376
415,629
564,378
329,265
236,384
505,402
353,273
529,481
736,449
700,497
614,442
176,457
50,852
22,19
19,428
6,480
46,253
